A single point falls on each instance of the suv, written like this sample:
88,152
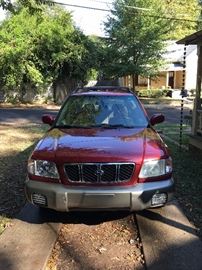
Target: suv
100,153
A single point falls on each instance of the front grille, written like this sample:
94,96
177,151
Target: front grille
99,172
88,173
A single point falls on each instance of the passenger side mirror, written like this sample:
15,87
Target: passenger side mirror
157,119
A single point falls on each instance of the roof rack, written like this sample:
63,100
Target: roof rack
103,89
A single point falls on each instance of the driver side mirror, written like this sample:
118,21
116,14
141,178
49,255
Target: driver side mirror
48,119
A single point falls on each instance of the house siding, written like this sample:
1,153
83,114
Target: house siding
178,80
160,81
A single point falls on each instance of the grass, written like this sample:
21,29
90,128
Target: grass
187,173
166,101
173,132
188,179
15,148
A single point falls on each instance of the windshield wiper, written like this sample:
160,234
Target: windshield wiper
69,126
95,126
111,126
121,126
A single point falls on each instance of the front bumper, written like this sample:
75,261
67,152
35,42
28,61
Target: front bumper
65,198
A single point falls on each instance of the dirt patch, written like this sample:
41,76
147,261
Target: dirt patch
111,244
16,145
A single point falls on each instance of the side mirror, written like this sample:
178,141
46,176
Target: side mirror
157,119
48,119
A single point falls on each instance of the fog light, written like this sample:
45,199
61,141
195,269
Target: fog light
159,199
39,199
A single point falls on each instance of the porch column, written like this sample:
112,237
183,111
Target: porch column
197,101
148,83
167,79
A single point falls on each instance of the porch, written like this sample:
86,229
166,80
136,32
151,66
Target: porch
196,133
169,79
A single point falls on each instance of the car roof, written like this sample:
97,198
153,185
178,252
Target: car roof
103,90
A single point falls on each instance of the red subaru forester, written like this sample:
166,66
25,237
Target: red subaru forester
100,153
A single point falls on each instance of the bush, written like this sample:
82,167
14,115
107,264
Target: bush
192,92
153,93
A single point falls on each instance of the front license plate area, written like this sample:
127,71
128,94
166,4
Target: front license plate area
98,201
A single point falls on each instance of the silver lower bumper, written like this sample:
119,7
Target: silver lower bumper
65,198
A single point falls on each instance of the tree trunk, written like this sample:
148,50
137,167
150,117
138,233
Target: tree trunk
23,89
62,87
135,81
54,91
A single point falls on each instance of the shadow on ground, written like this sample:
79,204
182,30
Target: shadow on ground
35,215
178,257
169,240
12,177
6,262
162,219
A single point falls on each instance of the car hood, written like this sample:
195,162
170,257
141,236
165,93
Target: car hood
100,145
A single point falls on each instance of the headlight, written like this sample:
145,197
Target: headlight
43,168
153,168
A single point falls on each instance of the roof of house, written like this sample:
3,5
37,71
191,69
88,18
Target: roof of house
194,38
175,52
174,55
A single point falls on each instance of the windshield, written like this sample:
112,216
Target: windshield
101,111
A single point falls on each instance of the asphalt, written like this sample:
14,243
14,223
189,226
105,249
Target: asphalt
27,116
23,116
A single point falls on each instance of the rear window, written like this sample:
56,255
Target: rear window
101,111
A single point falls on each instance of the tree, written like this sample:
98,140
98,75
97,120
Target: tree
137,31
199,26
41,49
188,11
135,40
31,5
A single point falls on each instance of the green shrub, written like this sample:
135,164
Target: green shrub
192,92
153,93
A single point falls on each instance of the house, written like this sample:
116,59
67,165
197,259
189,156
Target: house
170,75
196,133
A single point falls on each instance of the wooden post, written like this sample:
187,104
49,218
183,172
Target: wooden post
197,101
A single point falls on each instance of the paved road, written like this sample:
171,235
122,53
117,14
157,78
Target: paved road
171,113
27,116
23,115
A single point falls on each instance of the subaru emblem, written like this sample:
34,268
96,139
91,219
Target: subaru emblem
99,172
